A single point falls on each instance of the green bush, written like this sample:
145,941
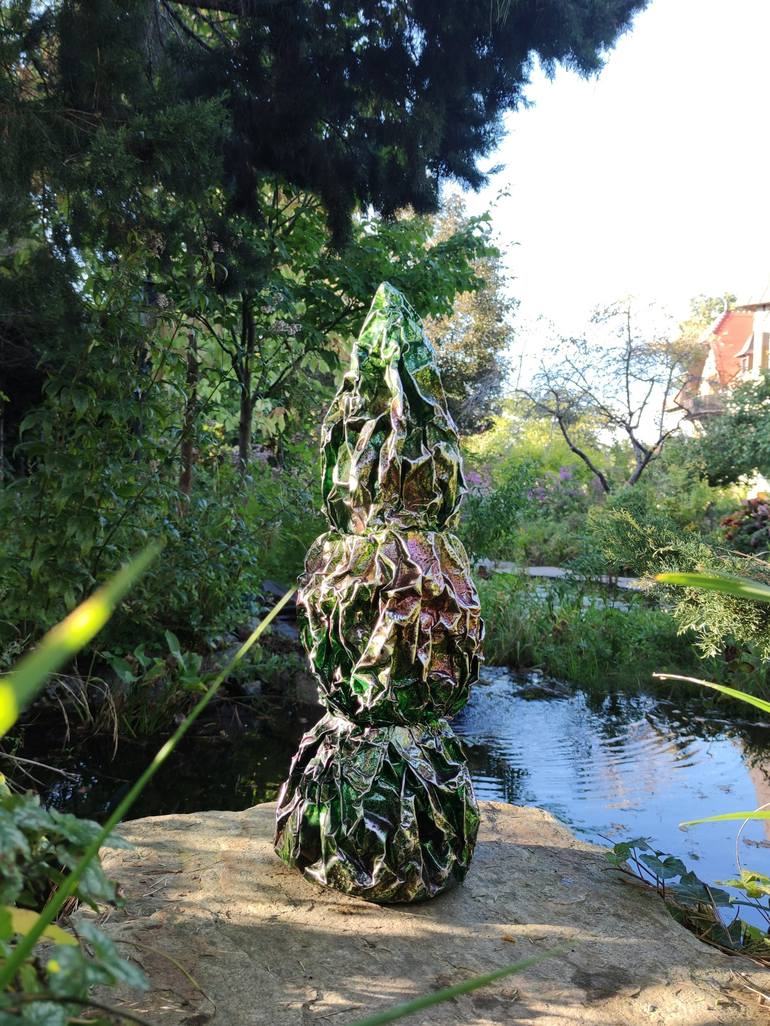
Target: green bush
492,515
569,633
38,847
572,632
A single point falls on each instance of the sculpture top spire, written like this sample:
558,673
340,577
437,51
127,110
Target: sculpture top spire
390,448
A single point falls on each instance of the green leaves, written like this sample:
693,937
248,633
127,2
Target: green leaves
37,847
756,885
692,902
82,869
37,843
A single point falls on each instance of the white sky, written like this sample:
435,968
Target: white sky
653,178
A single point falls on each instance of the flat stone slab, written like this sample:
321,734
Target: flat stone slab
230,936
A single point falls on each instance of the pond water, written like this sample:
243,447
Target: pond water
621,766
612,767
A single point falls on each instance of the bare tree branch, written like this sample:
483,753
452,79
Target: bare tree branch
624,382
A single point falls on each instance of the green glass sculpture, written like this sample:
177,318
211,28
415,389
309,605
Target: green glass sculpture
379,801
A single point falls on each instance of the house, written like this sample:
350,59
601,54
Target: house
734,349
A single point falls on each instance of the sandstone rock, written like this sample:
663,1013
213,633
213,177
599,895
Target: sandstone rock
229,936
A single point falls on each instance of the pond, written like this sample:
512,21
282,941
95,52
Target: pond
620,766
612,767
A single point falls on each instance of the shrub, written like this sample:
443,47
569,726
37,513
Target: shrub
748,528
571,631
38,847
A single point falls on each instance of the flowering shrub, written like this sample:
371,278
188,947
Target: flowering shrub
748,528
558,494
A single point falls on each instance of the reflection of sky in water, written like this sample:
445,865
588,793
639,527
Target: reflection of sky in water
632,768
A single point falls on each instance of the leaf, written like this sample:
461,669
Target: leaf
739,587
666,868
741,696
44,1013
20,686
122,970
125,674
691,890
173,645
727,816
756,885
22,920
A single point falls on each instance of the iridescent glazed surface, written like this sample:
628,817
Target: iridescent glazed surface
379,802
385,813
389,447
392,624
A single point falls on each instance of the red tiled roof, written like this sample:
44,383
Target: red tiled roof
728,337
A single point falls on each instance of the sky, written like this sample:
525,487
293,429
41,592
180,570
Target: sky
652,179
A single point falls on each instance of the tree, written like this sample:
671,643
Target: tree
621,381
196,200
286,324
472,342
736,443
365,103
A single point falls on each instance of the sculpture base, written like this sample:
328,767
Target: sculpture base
386,814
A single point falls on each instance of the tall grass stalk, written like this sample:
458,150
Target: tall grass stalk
739,587
64,640
448,993
67,888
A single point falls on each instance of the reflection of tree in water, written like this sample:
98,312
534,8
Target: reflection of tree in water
533,739
494,776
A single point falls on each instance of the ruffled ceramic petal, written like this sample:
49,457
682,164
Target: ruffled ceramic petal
389,445
387,814
392,624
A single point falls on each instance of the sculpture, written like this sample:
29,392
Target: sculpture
379,801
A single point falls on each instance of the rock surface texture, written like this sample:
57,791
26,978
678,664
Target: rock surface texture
230,936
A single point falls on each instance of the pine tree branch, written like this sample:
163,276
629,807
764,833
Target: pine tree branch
236,7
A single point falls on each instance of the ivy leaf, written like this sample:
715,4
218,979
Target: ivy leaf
44,1013
22,919
173,646
692,891
666,868
755,885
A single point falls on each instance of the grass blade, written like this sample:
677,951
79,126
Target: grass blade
742,696
55,903
739,587
439,996
64,640
724,817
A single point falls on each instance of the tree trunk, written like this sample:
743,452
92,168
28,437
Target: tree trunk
603,482
190,413
244,379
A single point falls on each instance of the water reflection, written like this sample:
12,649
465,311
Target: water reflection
620,766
